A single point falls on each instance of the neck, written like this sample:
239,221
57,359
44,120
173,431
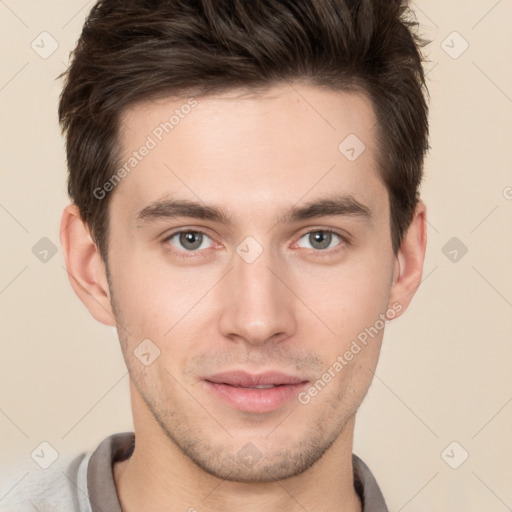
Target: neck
148,482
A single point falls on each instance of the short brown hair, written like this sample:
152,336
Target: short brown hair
134,50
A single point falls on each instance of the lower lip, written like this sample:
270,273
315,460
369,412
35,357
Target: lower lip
255,400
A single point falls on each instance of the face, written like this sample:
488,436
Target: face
252,253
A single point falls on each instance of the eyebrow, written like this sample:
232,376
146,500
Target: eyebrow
341,205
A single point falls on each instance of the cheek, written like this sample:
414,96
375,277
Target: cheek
157,300
347,299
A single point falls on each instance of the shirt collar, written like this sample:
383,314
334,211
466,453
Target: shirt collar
117,447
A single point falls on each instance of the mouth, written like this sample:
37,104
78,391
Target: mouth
257,393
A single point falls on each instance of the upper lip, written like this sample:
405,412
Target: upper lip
245,379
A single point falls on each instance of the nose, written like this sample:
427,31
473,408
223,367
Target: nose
258,306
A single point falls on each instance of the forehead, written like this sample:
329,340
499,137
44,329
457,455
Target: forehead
250,151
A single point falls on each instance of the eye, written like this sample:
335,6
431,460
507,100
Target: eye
189,240
320,239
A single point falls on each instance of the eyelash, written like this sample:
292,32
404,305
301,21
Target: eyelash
194,254
184,254
345,242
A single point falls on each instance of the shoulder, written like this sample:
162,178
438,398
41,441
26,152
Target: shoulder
60,488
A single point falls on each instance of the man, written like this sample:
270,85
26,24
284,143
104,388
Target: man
245,210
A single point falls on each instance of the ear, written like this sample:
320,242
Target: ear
409,261
85,267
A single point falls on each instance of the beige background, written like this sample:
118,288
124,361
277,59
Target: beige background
444,374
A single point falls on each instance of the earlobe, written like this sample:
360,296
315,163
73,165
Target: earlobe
85,267
409,260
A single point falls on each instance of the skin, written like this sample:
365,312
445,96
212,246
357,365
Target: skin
295,309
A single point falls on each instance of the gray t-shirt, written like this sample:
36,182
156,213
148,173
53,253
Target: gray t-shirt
86,483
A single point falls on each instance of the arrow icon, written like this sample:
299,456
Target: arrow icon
44,45
454,249
351,147
454,455
44,455
44,250
146,352
249,253
454,45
